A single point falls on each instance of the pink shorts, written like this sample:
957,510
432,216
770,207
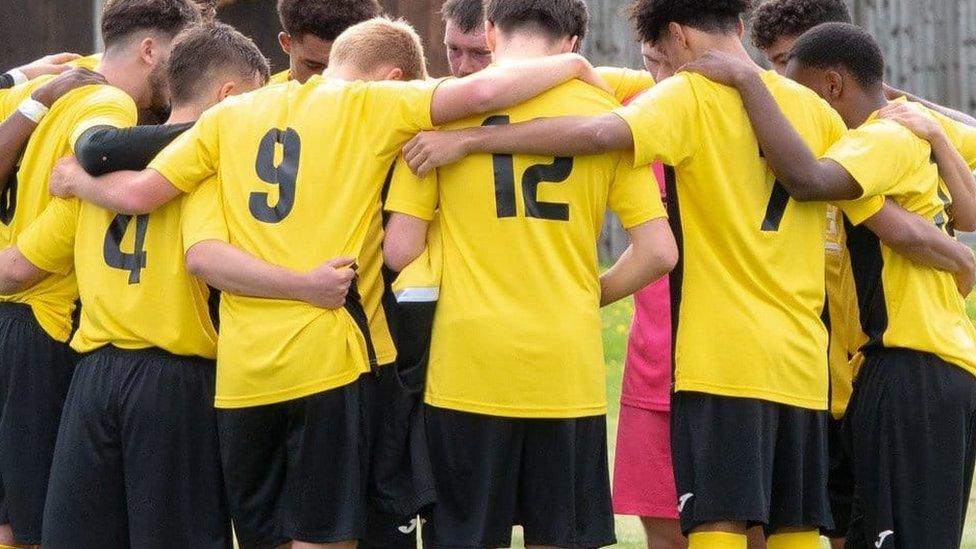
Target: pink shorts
643,479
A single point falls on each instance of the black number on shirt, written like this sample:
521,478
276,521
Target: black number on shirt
8,201
504,169
284,175
112,248
776,207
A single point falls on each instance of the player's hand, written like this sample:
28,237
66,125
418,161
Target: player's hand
50,64
589,75
915,119
966,279
328,284
721,67
428,151
65,172
70,80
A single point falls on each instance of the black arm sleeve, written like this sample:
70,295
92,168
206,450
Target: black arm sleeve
104,149
6,81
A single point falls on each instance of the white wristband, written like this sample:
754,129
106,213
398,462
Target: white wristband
18,76
32,109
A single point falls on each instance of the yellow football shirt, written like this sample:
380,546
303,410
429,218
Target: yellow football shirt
91,62
626,83
902,304
518,330
52,300
296,190
749,291
282,77
135,290
846,337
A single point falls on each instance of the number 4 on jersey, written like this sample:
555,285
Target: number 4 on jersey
112,248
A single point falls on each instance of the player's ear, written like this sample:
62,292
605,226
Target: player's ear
834,84
741,28
226,90
284,39
490,36
396,73
572,45
678,34
148,52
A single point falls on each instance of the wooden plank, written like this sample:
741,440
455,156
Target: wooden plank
33,28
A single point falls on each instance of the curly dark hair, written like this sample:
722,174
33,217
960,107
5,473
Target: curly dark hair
651,17
325,19
777,19
122,18
468,15
842,46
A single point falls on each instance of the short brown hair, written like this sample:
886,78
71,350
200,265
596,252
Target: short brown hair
122,18
555,18
208,9
203,53
324,19
372,43
468,15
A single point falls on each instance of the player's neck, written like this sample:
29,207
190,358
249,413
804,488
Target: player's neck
862,107
523,47
182,114
117,72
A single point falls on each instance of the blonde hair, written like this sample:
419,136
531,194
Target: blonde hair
378,42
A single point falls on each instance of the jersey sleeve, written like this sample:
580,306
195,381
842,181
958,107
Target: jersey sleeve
635,196
107,107
203,215
412,195
662,122
626,83
962,137
401,109
870,154
49,242
191,158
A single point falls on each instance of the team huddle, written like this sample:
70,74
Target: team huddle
349,304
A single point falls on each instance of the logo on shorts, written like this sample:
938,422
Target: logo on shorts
683,500
882,537
410,528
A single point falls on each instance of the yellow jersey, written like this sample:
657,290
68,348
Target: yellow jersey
902,304
135,290
518,330
282,77
748,294
91,62
26,196
296,191
625,84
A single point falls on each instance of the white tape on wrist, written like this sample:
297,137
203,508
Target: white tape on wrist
18,76
32,109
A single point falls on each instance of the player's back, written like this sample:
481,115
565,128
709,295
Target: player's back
518,329
749,291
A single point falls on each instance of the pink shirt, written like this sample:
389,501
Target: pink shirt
647,372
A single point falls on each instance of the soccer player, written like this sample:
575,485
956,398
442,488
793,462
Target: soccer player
777,24
311,27
137,461
464,36
910,422
37,364
289,394
516,405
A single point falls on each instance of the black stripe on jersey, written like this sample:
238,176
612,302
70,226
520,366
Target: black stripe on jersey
354,306
867,264
675,279
825,318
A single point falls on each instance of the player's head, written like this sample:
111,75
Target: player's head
379,49
208,10
138,36
211,62
776,24
841,62
464,36
683,30
312,26
555,26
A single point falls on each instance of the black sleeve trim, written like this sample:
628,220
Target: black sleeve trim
6,81
105,149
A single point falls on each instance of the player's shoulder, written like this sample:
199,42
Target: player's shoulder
98,95
888,134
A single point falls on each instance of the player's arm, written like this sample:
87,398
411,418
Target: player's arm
504,85
952,166
652,254
959,116
125,192
16,130
106,149
49,64
561,136
805,177
17,273
405,240
922,242
237,272
45,247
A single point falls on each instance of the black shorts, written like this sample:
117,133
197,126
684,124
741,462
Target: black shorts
297,470
752,461
911,427
35,372
840,480
137,462
548,475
